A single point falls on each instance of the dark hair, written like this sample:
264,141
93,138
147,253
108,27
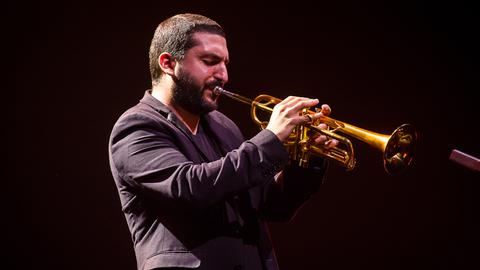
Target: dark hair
174,35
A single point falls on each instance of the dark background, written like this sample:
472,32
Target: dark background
77,67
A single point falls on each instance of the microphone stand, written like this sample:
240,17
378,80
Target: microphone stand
465,160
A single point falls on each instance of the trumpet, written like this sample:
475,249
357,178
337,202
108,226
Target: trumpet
397,148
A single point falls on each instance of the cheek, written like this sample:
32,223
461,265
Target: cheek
205,73
201,71
200,74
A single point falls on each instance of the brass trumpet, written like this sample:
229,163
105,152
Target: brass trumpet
397,148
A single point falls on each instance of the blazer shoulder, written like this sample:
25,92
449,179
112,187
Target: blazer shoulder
138,116
142,113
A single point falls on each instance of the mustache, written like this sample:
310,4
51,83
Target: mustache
214,84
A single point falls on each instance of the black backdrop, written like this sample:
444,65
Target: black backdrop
77,67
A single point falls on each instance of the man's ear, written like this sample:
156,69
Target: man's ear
167,63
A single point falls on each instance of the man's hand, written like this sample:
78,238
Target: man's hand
286,115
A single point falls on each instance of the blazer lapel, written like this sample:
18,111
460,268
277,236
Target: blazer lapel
221,135
173,119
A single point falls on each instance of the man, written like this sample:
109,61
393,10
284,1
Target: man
195,194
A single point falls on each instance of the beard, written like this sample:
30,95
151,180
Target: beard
189,95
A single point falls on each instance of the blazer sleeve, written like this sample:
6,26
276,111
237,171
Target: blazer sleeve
282,201
146,156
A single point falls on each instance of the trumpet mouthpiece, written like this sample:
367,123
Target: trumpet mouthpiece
218,90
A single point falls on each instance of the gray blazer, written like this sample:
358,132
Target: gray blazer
175,200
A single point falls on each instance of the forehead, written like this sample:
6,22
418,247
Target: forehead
210,43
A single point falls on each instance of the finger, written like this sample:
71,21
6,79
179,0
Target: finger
295,103
294,107
289,101
312,117
305,118
321,140
326,110
282,105
302,103
329,144
316,116
286,103
322,126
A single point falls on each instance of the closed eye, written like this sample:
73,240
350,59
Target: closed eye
211,60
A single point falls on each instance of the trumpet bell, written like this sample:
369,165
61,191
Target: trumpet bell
398,152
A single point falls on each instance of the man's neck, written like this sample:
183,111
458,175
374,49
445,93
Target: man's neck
164,95
190,120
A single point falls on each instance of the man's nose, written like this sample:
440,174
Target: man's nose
221,73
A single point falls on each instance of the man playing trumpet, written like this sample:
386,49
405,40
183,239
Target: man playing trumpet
194,192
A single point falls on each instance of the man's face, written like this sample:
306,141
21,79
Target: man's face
197,74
